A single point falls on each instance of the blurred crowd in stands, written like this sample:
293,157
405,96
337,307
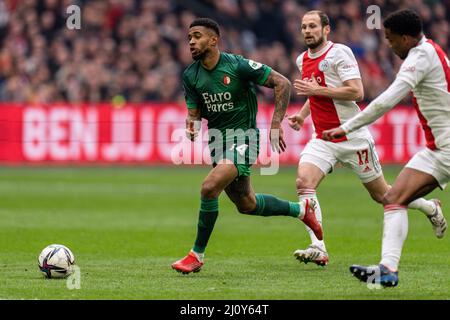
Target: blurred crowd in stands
136,50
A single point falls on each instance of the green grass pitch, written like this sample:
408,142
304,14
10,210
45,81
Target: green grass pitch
127,225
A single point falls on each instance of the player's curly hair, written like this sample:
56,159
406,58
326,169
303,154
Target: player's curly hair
404,22
207,23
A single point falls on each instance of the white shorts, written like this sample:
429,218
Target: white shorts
436,163
358,154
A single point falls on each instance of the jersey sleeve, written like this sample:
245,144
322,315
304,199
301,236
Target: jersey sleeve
253,71
414,68
382,104
346,64
190,95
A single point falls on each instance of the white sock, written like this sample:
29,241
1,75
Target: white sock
395,231
200,256
311,194
426,206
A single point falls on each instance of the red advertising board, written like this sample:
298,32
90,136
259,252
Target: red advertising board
154,134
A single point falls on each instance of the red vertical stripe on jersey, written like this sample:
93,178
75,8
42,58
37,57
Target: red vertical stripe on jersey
444,61
323,111
431,144
429,137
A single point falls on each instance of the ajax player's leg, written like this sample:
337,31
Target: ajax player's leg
311,170
375,274
361,156
409,185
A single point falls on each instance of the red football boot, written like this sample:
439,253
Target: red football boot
188,264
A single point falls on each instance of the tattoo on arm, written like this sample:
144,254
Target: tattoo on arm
282,91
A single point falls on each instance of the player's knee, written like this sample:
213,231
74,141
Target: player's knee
246,204
246,207
209,190
304,182
390,198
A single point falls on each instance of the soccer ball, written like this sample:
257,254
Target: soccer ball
56,261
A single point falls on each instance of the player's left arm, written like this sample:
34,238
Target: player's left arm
382,104
351,90
282,92
264,75
346,67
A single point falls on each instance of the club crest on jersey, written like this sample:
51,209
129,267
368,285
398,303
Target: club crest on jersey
324,65
226,80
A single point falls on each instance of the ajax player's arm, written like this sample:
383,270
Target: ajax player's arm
297,119
351,90
411,73
282,91
346,67
385,102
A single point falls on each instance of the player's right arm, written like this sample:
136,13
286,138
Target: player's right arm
193,102
296,120
412,71
191,129
382,104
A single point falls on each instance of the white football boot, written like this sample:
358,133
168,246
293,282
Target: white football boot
438,220
312,254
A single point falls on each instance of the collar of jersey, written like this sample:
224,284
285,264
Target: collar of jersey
422,40
218,62
321,52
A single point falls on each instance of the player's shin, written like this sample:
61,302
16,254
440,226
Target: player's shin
209,210
395,231
304,194
268,205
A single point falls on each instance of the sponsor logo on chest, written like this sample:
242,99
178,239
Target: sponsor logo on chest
218,102
322,67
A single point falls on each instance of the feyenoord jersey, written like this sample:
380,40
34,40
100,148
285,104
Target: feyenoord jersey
225,95
331,66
